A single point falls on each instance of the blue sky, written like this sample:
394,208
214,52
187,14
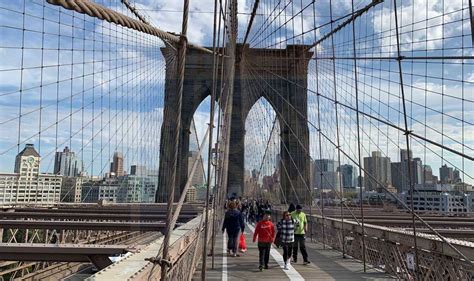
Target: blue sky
439,94
115,99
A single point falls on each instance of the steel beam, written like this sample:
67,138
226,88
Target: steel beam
100,210
97,254
460,219
81,249
40,214
435,223
83,225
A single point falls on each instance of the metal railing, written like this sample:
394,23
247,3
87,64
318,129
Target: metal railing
185,253
392,250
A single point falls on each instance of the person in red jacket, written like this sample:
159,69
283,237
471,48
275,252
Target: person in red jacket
265,231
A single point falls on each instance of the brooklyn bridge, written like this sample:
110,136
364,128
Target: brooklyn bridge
133,133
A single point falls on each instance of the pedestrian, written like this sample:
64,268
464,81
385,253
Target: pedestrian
234,225
254,212
265,231
260,211
286,227
291,208
251,213
300,231
244,209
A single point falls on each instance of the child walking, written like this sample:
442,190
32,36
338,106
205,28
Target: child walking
286,228
265,231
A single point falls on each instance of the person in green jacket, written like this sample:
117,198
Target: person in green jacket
300,232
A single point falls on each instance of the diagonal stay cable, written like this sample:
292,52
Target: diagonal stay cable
252,17
382,121
134,11
377,181
324,177
308,154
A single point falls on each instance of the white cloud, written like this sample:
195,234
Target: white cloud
131,132
470,78
199,24
423,24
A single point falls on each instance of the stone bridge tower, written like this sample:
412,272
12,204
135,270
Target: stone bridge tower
284,72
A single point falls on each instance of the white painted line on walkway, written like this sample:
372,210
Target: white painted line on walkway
291,272
224,257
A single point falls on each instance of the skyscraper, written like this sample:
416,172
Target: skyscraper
457,176
330,174
446,174
399,170
378,173
399,178
349,176
417,171
116,166
66,164
428,177
404,154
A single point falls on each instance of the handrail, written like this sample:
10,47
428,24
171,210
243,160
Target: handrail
392,248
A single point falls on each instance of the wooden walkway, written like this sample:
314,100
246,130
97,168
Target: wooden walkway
326,264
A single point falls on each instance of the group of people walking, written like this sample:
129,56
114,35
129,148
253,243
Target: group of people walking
252,210
289,233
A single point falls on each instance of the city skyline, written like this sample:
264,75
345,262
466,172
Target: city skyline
422,174
65,162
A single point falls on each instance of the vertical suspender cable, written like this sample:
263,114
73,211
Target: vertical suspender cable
358,138
407,139
321,199
471,17
211,127
308,173
222,109
337,133
215,199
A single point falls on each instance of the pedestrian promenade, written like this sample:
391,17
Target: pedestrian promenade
326,264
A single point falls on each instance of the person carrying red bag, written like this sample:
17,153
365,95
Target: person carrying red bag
265,231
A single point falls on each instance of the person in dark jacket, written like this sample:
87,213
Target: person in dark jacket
291,208
234,225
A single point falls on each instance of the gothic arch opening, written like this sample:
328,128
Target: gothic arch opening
262,152
199,141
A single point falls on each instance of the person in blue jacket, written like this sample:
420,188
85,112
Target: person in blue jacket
234,225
